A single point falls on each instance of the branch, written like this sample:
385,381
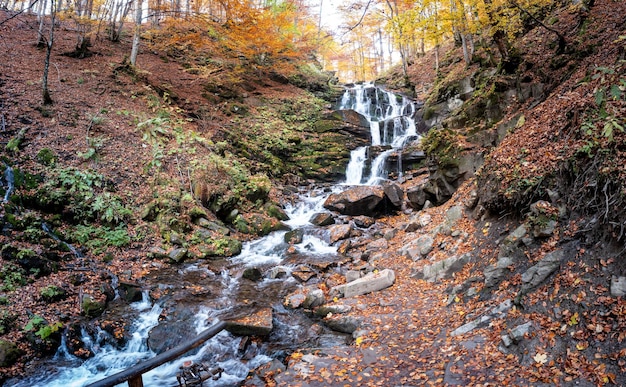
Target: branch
362,17
19,13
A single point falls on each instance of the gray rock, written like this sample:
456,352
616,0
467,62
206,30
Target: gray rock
618,286
314,298
498,311
376,245
494,273
544,230
444,268
295,300
370,283
390,233
418,248
516,334
277,272
339,232
536,274
352,275
322,219
344,324
394,193
324,310
178,255
212,226
454,214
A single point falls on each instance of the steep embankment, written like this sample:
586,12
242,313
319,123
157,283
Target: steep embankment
518,279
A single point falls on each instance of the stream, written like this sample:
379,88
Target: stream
217,292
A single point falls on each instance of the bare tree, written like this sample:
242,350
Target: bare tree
137,34
47,100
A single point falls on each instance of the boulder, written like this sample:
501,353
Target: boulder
9,353
322,219
370,283
258,323
339,232
314,298
253,274
494,273
516,334
359,200
394,193
295,300
343,324
303,273
418,248
177,255
444,268
294,237
538,273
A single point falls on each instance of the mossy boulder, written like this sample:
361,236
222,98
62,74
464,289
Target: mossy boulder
9,353
91,307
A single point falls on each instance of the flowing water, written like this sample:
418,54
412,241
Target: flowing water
220,291
392,126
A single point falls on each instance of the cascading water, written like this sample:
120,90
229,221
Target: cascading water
392,126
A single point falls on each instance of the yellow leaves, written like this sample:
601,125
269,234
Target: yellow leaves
358,341
582,345
573,320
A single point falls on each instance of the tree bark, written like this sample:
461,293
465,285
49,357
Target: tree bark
47,99
137,35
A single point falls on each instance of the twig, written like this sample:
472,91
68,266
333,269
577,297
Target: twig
58,72
20,12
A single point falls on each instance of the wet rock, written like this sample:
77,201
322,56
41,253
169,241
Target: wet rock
454,214
277,272
314,298
369,283
378,244
294,237
394,193
324,310
252,274
258,323
178,255
364,221
471,201
295,300
360,200
618,286
495,273
322,219
418,248
538,273
344,324
443,269
339,232
303,273
131,292
92,307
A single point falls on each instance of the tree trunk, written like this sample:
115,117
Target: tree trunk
47,99
137,35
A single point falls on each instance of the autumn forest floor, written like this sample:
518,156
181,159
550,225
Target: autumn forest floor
578,328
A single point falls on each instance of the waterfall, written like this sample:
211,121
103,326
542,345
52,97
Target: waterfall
9,177
391,126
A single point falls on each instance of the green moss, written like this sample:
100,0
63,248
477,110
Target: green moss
46,156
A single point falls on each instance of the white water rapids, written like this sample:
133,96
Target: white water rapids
391,125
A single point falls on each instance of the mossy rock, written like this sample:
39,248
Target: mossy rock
224,247
275,211
47,157
91,307
9,353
